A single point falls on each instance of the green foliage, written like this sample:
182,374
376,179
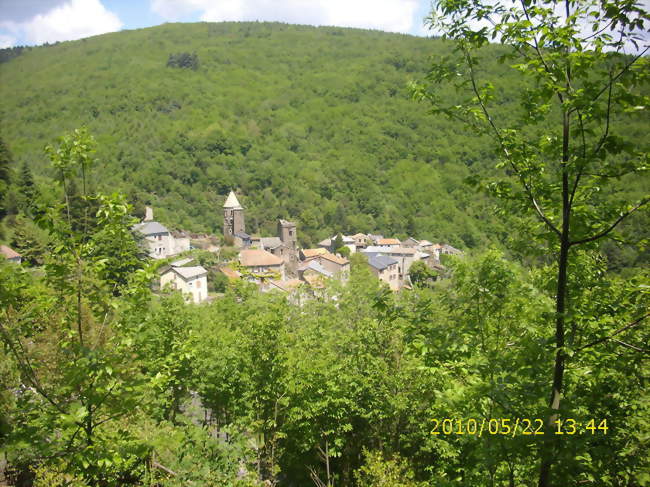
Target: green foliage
29,240
307,138
421,274
381,472
5,175
27,190
103,383
344,251
568,143
183,60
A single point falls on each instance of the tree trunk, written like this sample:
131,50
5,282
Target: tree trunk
560,314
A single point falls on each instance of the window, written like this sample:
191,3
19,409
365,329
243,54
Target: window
198,283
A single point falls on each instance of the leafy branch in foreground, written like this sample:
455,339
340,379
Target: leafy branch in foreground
78,380
578,89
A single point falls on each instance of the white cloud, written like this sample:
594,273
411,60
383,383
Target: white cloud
72,20
389,15
7,41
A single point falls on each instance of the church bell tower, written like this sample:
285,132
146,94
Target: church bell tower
233,216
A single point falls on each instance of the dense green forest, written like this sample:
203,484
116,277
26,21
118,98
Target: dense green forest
313,124
106,383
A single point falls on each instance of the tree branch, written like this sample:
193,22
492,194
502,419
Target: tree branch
497,133
612,226
621,72
642,350
617,332
28,371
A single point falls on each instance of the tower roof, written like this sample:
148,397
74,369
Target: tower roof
232,201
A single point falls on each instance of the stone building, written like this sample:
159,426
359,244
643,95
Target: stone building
233,217
260,265
386,269
289,238
191,281
159,242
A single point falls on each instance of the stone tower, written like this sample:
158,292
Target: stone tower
233,216
287,233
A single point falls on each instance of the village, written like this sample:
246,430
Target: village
277,263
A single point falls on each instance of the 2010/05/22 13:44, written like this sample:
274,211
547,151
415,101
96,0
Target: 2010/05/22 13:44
512,427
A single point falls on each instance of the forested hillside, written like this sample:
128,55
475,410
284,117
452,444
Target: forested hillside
313,124
520,366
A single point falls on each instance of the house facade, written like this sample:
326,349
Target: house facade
386,269
405,257
338,266
191,281
259,265
159,242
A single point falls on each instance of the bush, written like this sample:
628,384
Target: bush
183,60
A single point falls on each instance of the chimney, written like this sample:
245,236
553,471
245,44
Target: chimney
148,214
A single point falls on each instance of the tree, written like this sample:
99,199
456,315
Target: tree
27,189
337,243
578,89
421,274
5,175
78,378
344,251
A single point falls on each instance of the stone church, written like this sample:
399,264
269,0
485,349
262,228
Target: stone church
285,245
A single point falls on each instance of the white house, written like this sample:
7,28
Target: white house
159,240
191,281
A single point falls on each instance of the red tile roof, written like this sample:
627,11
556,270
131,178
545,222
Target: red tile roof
258,258
8,252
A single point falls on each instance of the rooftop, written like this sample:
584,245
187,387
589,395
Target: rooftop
8,252
182,262
388,241
286,286
271,242
401,250
150,228
257,257
314,265
380,262
451,249
374,249
230,273
334,258
308,253
188,272
232,201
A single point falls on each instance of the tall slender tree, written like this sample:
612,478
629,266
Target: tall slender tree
578,87
5,175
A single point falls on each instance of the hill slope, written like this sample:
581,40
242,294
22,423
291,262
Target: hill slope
312,124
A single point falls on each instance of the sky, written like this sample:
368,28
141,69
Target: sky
33,22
